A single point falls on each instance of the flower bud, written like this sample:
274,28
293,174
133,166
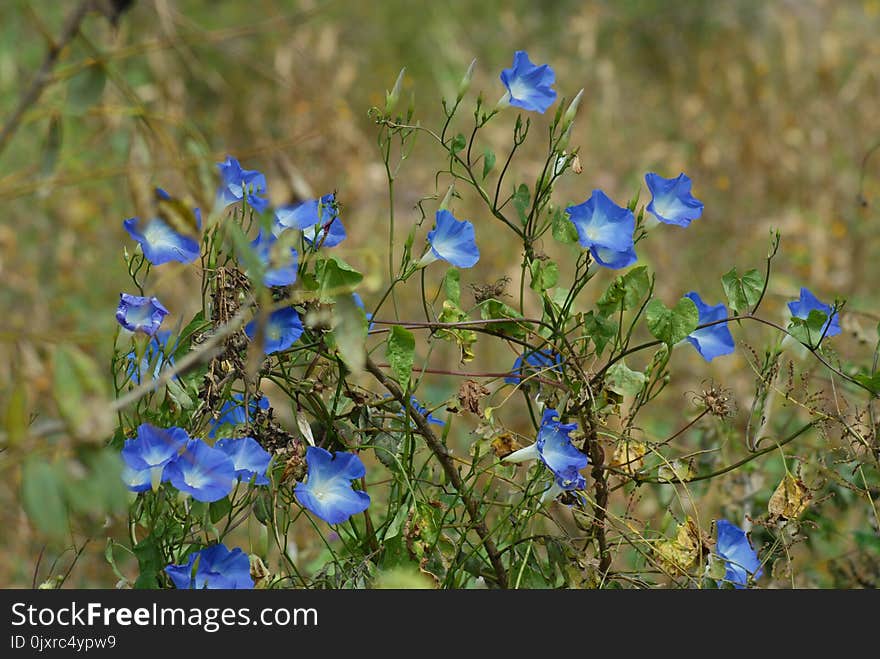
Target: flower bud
571,112
447,198
393,96
465,83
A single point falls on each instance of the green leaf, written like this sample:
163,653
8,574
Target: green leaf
545,274
336,277
563,228
400,351
871,382
350,332
42,496
150,563
600,329
458,143
624,381
219,509
627,290
16,417
465,338
742,292
80,391
672,325
85,88
452,285
494,309
52,148
488,162
809,330
521,199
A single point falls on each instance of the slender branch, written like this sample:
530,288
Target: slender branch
44,76
442,454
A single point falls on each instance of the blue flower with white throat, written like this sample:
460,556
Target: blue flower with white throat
532,363
233,413
214,567
318,219
159,242
237,184
671,199
148,454
734,548
808,302
528,86
606,229
554,448
451,240
249,458
283,329
140,314
278,259
157,356
715,340
204,472
327,491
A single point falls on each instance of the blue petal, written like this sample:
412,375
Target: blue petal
325,235
535,362
140,314
672,201
248,457
283,329
327,491
733,546
160,243
280,262
137,480
808,302
453,240
606,229
714,341
233,413
153,446
158,353
559,454
421,409
221,568
529,86
182,575
204,472
235,180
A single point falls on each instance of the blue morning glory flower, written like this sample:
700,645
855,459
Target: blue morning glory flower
237,183
554,448
360,304
248,457
283,329
204,472
159,242
734,548
306,214
808,302
218,568
140,314
157,352
453,241
421,409
672,201
606,229
233,413
147,455
714,341
536,361
327,491
528,86
280,261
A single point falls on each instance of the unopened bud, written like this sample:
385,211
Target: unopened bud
465,83
447,198
571,112
393,96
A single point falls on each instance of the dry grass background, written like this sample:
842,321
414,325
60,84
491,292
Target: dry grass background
769,107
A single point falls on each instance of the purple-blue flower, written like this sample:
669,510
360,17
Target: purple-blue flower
248,457
421,409
327,491
148,454
808,302
279,261
672,201
217,568
536,361
204,472
283,329
159,242
734,548
713,341
554,448
453,241
237,183
233,413
140,314
606,229
158,354
528,86
306,214
325,235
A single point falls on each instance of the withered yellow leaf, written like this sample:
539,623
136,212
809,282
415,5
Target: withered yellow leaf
790,499
629,456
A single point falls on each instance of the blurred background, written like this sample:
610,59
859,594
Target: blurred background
770,107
